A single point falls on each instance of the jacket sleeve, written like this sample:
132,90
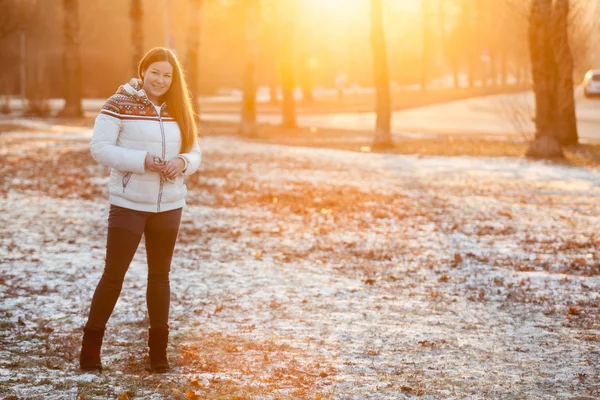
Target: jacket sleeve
104,146
193,158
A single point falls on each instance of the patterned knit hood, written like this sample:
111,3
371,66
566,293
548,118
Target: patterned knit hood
134,90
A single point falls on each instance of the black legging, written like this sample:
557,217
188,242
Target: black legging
125,229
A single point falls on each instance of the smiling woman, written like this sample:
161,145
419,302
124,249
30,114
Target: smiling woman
157,80
146,133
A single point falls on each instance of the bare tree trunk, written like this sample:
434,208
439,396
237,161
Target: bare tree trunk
288,104
270,52
481,34
566,125
193,51
72,62
545,144
273,99
471,68
455,77
307,93
383,136
137,33
441,21
248,124
522,73
493,17
4,96
467,20
503,68
424,44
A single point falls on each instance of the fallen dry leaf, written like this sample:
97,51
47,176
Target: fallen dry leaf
190,395
573,311
195,383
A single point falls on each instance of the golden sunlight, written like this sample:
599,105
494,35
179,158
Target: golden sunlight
344,8
335,9
333,15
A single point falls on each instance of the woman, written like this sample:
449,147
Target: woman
146,133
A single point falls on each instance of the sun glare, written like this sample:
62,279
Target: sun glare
343,12
342,8
339,5
337,9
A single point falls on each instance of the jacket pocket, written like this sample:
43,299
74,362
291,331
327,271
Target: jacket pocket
126,179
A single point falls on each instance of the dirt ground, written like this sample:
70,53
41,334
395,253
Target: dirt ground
305,273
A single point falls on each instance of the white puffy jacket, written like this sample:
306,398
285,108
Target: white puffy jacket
129,127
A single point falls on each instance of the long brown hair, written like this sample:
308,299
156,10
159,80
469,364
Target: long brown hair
177,97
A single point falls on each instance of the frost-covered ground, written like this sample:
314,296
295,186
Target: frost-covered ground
311,273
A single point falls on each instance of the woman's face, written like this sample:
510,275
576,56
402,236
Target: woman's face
157,79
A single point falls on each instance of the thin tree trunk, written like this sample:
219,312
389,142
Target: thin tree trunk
193,51
494,69
137,33
248,124
307,93
522,73
72,62
467,19
273,99
383,136
5,97
566,125
271,50
441,20
543,70
455,77
503,68
424,45
482,42
471,68
288,104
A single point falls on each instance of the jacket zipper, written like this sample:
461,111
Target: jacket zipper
162,133
126,178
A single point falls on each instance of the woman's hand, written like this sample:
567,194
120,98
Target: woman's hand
152,165
173,168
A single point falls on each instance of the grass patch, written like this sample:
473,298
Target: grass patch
582,155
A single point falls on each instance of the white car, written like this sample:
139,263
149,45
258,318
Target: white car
591,83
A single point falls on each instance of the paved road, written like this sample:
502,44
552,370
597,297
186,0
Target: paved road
500,115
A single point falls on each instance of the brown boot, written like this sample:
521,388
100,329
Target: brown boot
89,359
157,341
